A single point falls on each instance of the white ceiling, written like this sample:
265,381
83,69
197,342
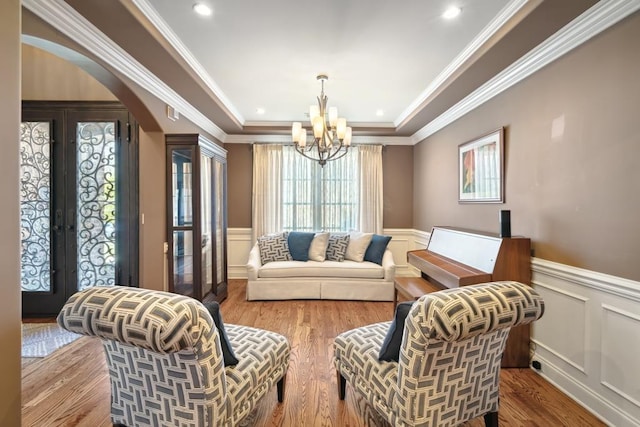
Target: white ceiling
401,57
379,55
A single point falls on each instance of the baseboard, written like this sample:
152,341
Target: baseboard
584,396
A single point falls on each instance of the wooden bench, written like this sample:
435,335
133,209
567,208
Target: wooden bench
412,288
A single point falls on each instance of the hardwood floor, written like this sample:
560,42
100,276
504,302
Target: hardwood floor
71,386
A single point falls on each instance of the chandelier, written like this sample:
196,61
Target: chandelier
331,136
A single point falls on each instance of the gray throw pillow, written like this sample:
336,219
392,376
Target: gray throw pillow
274,247
337,247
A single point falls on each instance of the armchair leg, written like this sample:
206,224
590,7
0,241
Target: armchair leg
342,385
491,419
280,386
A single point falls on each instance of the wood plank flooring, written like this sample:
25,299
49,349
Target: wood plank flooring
71,386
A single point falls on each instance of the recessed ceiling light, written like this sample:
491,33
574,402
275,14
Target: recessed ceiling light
452,12
379,113
260,111
202,9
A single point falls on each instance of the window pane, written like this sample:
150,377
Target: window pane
316,198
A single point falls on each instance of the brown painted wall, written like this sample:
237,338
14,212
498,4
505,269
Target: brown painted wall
41,79
10,222
397,163
572,147
397,170
153,207
239,184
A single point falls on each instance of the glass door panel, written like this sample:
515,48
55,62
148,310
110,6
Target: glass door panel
206,187
96,204
35,206
182,188
182,221
220,222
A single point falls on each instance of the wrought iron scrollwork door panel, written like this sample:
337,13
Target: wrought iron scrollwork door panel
75,209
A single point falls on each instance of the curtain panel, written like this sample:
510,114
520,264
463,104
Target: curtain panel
291,192
266,209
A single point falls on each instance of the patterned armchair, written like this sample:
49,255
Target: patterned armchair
448,370
165,359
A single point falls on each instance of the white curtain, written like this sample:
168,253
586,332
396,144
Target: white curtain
371,201
267,190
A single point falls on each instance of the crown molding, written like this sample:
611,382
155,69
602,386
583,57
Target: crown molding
156,20
286,139
69,22
596,19
489,31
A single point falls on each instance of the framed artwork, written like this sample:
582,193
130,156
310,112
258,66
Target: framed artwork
481,169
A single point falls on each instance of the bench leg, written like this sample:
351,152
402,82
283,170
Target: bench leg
491,419
342,385
280,386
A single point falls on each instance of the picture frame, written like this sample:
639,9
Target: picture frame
481,169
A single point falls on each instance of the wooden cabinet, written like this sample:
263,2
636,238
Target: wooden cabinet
196,217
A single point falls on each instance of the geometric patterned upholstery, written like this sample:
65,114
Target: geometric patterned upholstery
165,360
337,247
274,247
449,366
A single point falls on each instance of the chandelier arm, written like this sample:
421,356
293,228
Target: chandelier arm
344,153
301,151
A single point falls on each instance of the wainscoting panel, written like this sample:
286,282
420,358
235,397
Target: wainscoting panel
239,245
588,341
562,329
619,369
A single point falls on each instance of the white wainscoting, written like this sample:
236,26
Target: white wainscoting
238,247
588,340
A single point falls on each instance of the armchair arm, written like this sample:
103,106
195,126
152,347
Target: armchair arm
389,265
254,263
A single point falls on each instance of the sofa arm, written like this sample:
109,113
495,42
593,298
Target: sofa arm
389,266
254,263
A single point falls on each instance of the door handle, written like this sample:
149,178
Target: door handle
70,220
57,225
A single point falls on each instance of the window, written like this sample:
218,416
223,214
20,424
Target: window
320,198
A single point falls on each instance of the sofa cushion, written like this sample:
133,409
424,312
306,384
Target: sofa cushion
356,357
346,269
264,359
337,247
273,247
228,355
299,243
390,349
318,248
358,244
376,248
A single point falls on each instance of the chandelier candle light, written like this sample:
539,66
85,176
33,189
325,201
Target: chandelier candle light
331,139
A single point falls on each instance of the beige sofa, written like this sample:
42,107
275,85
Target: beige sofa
344,280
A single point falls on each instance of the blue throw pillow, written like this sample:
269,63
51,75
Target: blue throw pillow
299,243
390,350
376,248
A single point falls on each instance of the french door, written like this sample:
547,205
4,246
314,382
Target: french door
78,201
